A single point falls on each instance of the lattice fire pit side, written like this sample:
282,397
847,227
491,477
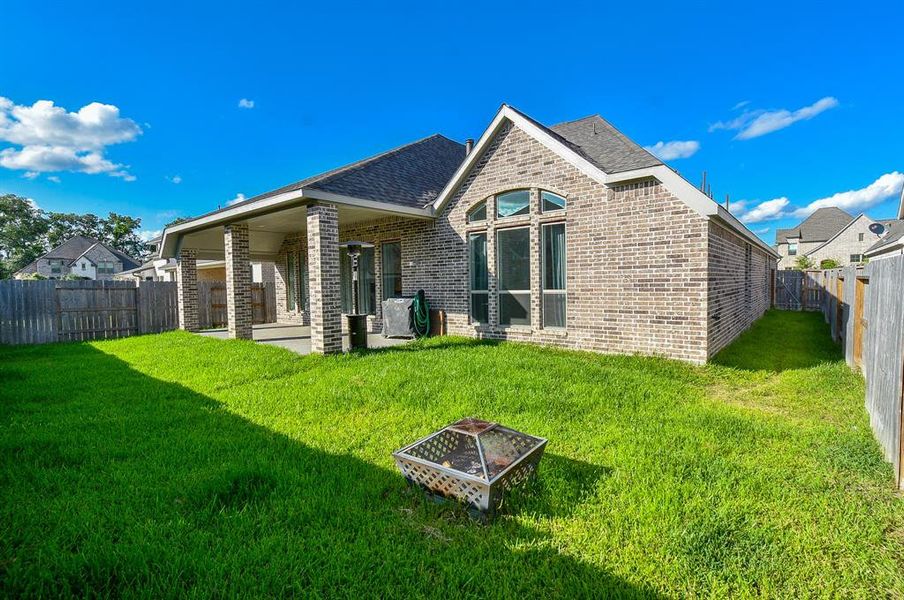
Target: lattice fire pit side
473,461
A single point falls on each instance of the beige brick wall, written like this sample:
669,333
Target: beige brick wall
739,285
637,274
848,243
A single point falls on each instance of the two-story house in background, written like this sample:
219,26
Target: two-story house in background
829,233
79,256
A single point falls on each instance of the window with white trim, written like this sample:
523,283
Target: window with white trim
554,289
478,213
792,249
480,294
513,269
512,204
550,202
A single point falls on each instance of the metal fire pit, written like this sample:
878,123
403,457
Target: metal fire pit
471,460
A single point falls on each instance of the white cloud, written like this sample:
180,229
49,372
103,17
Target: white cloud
51,139
756,123
762,231
177,179
238,198
33,204
674,149
766,211
30,174
887,186
146,235
741,104
246,103
53,178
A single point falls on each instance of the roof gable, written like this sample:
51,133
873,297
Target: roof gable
71,249
823,224
839,232
605,146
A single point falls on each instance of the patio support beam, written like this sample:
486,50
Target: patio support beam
187,288
323,278
238,280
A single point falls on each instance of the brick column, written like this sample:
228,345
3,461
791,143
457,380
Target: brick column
238,281
187,286
323,278
536,262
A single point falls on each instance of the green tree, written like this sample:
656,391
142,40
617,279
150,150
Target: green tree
803,263
829,263
119,232
22,233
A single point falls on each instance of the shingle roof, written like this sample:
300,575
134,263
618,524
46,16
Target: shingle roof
818,227
73,248
895,234
411,175
604,145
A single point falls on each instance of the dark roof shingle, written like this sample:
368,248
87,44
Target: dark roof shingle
818,227
604,145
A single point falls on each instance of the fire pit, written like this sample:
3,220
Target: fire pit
471,460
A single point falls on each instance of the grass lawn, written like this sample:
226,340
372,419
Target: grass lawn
173,464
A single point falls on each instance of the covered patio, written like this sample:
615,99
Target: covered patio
297,338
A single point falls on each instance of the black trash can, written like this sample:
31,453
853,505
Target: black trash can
357,332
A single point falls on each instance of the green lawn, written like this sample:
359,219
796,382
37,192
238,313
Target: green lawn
173,464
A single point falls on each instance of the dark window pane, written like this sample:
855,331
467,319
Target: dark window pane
551,202
392,270
554,309
554,257
478,243
514,309
510,204
366,278
513,248
478,213
480,309
291,274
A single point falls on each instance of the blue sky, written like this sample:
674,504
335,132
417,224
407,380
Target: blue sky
781,104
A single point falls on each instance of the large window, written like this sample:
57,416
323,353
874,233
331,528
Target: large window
792,249
856,258
513,253
392,269
511,204
477,243
105,267
367,282
554,294
56,267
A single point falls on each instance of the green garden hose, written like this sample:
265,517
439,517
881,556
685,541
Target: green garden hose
421,314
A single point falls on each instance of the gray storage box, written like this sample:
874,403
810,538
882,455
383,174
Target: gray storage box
397,321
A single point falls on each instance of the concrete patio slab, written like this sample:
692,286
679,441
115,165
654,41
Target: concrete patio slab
297,338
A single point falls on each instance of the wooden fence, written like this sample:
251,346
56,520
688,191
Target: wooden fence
212,303
39,312
798,290
864,307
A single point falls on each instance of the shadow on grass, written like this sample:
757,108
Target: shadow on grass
780,341
117,483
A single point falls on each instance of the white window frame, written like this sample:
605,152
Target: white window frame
543,290
500,291
512,191
554,211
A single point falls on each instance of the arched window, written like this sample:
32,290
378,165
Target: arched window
511,204
550,202
478,213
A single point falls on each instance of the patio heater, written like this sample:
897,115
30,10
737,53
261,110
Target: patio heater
357,322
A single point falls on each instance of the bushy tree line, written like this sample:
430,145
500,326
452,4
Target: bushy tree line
27,232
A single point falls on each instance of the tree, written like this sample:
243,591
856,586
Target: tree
116,230
803,263
119,232
22,231
829,263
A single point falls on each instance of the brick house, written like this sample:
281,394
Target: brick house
79,256
571,235
829,233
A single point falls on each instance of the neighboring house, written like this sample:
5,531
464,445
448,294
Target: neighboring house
892,242
571,235
829,233
81,257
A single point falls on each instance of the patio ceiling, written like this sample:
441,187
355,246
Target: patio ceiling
267,229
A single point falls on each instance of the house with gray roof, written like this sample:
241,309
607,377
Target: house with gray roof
79,256
570,235
892,242
830,233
